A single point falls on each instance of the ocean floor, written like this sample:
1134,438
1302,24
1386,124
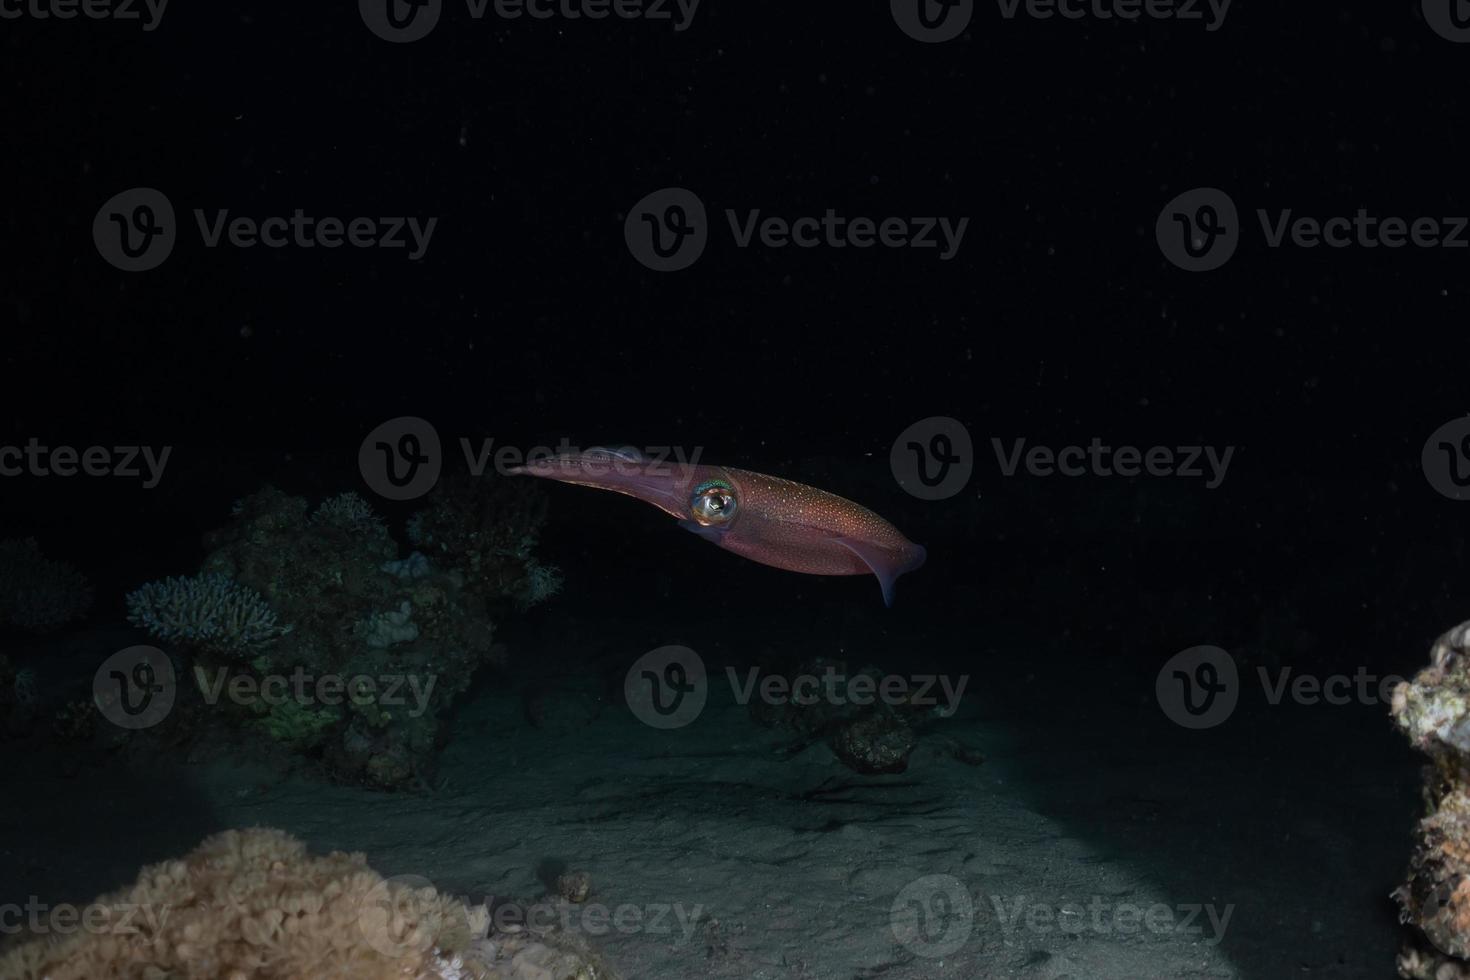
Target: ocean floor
1094,841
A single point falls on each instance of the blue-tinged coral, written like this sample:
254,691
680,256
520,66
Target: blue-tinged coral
542,582
383,629
37,593
209,612
349,512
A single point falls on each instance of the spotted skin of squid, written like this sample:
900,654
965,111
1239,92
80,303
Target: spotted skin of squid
763,518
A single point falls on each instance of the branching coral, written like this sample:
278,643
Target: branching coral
36,593
211,612
349,512
253,905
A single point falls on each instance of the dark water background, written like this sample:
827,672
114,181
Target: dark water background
1325,549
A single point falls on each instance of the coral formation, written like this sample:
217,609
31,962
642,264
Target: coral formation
1433,710
349,512
209,612
486,530
253,905
377,645
574,886
878,742
36,593
867,735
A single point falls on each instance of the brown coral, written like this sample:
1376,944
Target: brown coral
253,905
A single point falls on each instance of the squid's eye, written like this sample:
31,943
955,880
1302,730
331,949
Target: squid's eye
713,504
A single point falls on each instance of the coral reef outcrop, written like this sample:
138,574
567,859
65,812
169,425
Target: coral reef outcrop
308,627
486,530
254,905
823,700
1433,710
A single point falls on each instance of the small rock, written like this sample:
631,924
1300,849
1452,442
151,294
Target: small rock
574,886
